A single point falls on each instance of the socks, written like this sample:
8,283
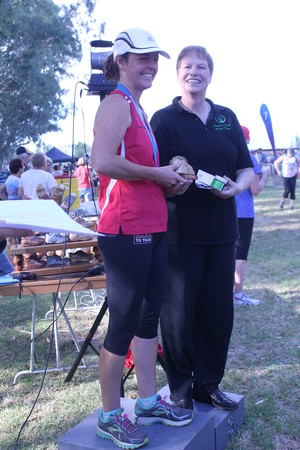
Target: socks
146,403
107,414
238,296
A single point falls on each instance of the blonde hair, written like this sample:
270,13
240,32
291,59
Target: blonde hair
81,161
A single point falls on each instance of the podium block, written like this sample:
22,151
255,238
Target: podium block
210,429
198,435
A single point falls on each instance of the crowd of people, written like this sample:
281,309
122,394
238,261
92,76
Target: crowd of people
27,170
34,177
175,252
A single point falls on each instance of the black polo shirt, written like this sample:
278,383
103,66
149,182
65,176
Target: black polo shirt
219,148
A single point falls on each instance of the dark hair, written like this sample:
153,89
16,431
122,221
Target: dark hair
291,151
15,165
111,68
201,52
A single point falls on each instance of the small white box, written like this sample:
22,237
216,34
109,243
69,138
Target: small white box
207,181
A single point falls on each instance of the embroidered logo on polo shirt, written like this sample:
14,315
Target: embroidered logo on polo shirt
222,123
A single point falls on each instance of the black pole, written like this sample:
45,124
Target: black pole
87,341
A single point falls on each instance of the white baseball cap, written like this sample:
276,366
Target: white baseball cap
136,40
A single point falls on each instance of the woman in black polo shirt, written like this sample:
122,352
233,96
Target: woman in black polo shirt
197,312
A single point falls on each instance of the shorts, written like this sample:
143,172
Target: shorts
243,242
85,193
136,269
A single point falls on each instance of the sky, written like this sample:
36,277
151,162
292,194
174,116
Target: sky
254,45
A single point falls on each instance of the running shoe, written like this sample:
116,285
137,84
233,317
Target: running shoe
56,260
162,412
119,429
245,300
56,238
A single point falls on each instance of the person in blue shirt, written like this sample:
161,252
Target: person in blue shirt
16,168
245,215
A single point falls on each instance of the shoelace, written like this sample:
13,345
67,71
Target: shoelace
125,423
167,405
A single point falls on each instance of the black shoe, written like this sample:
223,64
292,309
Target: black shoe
185,403
217,399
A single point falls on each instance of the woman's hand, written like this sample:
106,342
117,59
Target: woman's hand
229,190
243,181
173,183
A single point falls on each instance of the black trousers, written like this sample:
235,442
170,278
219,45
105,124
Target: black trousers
197,316
289,185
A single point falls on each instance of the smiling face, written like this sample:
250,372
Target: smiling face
138,71
193,73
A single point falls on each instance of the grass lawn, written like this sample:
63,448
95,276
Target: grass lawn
263,362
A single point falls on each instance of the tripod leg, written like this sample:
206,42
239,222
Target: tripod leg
87,341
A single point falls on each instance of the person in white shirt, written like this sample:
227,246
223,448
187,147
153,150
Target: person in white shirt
57,172
287,167
37,175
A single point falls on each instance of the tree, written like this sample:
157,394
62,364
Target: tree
81,149
38,41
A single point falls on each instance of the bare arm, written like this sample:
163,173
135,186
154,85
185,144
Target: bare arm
20,192
3,195
12,232
112,120
257,184
276,164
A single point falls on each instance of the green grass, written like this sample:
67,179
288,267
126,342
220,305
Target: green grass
263,362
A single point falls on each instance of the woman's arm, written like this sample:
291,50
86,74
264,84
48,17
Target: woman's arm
112,121
3,195
276,164
258,184
20,191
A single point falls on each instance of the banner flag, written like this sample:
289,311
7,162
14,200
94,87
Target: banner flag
266,117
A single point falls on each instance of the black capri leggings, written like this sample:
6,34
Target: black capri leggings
135,267
243,242
289,185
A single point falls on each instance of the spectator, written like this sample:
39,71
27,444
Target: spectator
48,167
57,172
82,173
245,214
37,175
25,155
289,170
16,168
261,156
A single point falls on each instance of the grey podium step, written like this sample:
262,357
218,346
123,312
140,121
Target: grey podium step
210,430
